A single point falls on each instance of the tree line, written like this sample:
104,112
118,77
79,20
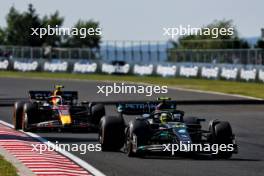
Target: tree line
220,42
18,30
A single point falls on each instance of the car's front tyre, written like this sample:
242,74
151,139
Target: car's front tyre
111,133
221,133
18,114
29,111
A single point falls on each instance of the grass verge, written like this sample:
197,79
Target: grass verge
231,87
6,168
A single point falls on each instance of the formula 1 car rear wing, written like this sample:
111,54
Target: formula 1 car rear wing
68,96
141,107
136,107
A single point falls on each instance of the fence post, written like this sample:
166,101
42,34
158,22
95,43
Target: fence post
140,51
124,50
69,53
132,51
22,51
149,51
60,54
158,54
115,50
107,51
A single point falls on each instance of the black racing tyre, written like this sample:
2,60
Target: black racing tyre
137,134
17,115
111,133
129,147
29,113
221,133
97,112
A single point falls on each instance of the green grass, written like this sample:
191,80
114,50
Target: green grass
6,168
231,87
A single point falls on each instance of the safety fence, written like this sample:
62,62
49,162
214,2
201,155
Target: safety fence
227,56
140,52
194,70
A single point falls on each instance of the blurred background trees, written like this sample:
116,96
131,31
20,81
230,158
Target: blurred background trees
19,24
211,41
18,30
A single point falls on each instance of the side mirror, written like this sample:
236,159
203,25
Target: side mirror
146,115
201,120
58,86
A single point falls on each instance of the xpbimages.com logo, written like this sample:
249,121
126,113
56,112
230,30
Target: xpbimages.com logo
122,88
65,31
81,148
181,30
189,147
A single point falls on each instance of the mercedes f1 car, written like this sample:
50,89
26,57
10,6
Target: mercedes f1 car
56,110
161,126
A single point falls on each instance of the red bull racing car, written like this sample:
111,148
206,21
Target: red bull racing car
56,110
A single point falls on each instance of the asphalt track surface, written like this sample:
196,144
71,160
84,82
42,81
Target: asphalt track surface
247,122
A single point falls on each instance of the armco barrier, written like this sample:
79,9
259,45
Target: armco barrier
84,67
229,73
210,72
166,70
261,75
4,64
115,69
248,74
25,65
143,69
189,71
213,71
55,66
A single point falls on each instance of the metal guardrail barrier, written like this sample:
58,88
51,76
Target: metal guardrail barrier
139,54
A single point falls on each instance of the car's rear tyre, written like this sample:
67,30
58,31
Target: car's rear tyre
17,115
97,112
221,133
29,111
111,133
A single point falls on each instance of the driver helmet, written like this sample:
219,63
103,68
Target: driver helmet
58,91
56,100
164,117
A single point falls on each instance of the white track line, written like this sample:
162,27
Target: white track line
142,83
182,89
216,93
74,158
6,124
197,91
